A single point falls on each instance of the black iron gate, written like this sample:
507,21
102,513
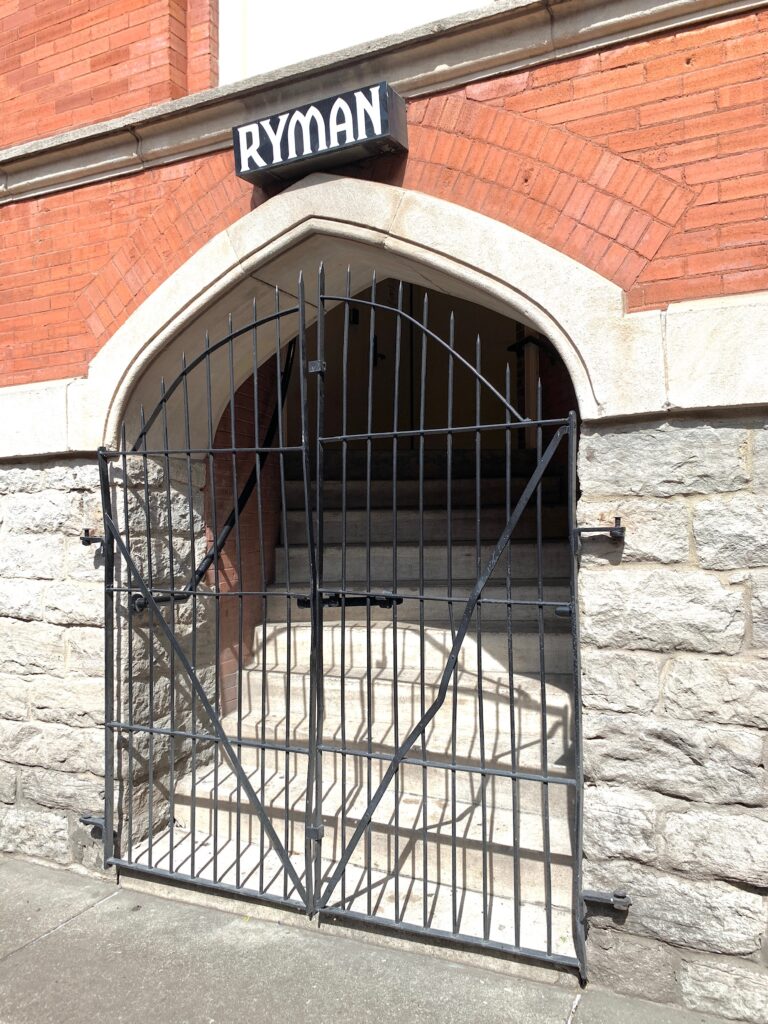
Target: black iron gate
342,641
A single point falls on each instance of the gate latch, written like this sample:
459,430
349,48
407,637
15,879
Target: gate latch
315,832
338,600
617,900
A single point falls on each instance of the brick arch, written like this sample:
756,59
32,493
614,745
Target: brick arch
565,191
607,212
208,199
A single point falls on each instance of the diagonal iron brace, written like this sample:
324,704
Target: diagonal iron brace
420,728
223,739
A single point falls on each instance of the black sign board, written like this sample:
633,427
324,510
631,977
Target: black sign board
339,129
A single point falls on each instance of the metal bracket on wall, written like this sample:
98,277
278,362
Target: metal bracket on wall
617,900
615,533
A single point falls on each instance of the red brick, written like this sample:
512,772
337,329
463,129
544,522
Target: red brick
725,167
674,109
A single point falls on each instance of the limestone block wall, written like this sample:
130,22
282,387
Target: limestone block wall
52,664
675,698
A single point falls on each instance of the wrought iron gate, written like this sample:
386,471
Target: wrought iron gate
356,692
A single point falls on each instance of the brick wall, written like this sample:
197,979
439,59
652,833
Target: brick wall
645,162
65,63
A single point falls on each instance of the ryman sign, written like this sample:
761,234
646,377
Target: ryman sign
335,130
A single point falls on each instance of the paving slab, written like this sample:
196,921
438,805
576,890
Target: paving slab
78,949
34,900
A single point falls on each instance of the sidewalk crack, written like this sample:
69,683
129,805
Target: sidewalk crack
63,924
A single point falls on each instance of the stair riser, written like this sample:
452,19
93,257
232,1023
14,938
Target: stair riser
436,613
524,563
411,526
357,726
434,493
405,648
501,792
409,847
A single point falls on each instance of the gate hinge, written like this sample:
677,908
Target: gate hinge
617,900
95,822
315,832
316,366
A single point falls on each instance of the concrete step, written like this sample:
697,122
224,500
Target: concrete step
351,650
523,560
381,526
495,613
423,836
376,715
260,872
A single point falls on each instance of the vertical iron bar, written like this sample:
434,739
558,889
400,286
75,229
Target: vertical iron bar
422,652
577,907
395,666
217,607
151,641
543,685
129,608
109,661
317,814
172,654
192,557
369,677
316,622
239,595
343,616
480,697
514,739
452,624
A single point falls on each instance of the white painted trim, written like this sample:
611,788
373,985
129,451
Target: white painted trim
507,36
697,355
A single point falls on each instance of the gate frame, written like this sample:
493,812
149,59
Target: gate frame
311,893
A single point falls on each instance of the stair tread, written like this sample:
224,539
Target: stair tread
222,786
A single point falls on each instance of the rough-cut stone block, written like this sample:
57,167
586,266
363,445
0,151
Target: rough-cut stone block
660,610
619,823
14,698
619,680
73,702
732,534
728,690
85,651
83,563
637,967
760,459
19,561
728,989
657,531
7,783
43,512
760,609
710,763
79,793
30,648
21,598
75,604
712,916
34,833
732,846
48,745
663,460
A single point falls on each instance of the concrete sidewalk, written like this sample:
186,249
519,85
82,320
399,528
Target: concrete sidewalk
75,949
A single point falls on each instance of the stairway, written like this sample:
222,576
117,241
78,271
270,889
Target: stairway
450,850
